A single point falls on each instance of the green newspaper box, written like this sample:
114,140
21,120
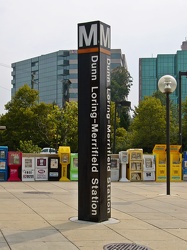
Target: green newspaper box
74,167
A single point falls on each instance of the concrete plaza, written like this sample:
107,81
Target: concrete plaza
43,215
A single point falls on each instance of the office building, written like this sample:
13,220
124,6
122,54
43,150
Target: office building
151,69
55,75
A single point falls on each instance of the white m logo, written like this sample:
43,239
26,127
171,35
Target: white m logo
105,38
87,39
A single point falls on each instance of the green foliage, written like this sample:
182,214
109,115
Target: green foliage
112,122
121,142
112,118
159,95
125,118
25,97
173,107
149,125
68,126
121,139
27,120
121,81
19,116
28,147
45,124
32,126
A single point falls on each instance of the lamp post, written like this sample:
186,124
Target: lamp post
167,85
180,105
119,103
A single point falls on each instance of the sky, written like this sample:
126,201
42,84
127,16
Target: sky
140,29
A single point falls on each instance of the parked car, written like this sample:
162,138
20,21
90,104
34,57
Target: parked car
48,151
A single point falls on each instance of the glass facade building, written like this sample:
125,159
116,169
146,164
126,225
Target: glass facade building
55,74
152,69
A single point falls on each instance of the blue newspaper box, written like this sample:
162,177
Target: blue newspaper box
184,166
185,156
3,163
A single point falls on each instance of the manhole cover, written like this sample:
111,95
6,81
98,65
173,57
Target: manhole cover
125,246
36,192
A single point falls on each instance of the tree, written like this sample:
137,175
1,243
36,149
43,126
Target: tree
45,124
31,124
67,131
121,139
149,125
173,107
121,82
159,95
125,118
29,147
19,117
27,120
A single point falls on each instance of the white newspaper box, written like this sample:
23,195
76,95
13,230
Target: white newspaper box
148,162
123,159
28,165
41,168
148,167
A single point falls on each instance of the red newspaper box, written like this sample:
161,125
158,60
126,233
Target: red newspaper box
14,164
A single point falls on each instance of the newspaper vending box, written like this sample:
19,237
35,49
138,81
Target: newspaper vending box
41,168
64,154
3,163
28,168
14,164
54,170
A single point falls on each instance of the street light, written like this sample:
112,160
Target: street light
180,105
167,85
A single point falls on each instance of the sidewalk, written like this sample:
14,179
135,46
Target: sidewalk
40,216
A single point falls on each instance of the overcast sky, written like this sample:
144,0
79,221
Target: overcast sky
140,28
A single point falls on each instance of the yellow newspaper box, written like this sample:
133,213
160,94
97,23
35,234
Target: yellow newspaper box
135,166
160,152
176,163
64,154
